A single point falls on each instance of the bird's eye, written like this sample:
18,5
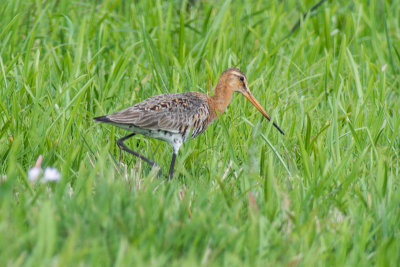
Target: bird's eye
241,78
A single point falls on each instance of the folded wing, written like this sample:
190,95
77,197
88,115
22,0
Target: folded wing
174,113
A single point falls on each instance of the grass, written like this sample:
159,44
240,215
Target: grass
325,194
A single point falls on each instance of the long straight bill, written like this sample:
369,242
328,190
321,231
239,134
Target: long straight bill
255,103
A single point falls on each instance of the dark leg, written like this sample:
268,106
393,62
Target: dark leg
171,168
122,146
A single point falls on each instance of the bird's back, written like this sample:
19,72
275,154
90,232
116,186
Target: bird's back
174,113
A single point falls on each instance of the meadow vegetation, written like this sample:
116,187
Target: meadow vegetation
324,194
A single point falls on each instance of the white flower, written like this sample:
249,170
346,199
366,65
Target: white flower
51,175
34,173
334,32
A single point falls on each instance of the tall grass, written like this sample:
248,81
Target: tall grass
326,193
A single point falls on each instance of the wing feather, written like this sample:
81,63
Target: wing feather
169,112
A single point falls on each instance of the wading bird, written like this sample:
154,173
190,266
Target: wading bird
172,117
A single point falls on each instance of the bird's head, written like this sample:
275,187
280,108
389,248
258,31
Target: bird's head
234,80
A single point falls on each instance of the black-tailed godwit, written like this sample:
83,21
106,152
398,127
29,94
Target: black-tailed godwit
171,117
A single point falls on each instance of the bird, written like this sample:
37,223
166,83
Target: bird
172,117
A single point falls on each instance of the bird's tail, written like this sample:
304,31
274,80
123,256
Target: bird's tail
102,119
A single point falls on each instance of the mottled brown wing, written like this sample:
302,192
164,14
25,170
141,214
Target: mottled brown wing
168,112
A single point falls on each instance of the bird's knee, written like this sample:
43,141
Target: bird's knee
120,143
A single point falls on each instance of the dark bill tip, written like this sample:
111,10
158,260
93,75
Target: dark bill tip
277,127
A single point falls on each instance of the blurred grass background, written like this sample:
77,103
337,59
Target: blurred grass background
325,194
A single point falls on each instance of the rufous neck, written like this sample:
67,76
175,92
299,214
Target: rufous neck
221,98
